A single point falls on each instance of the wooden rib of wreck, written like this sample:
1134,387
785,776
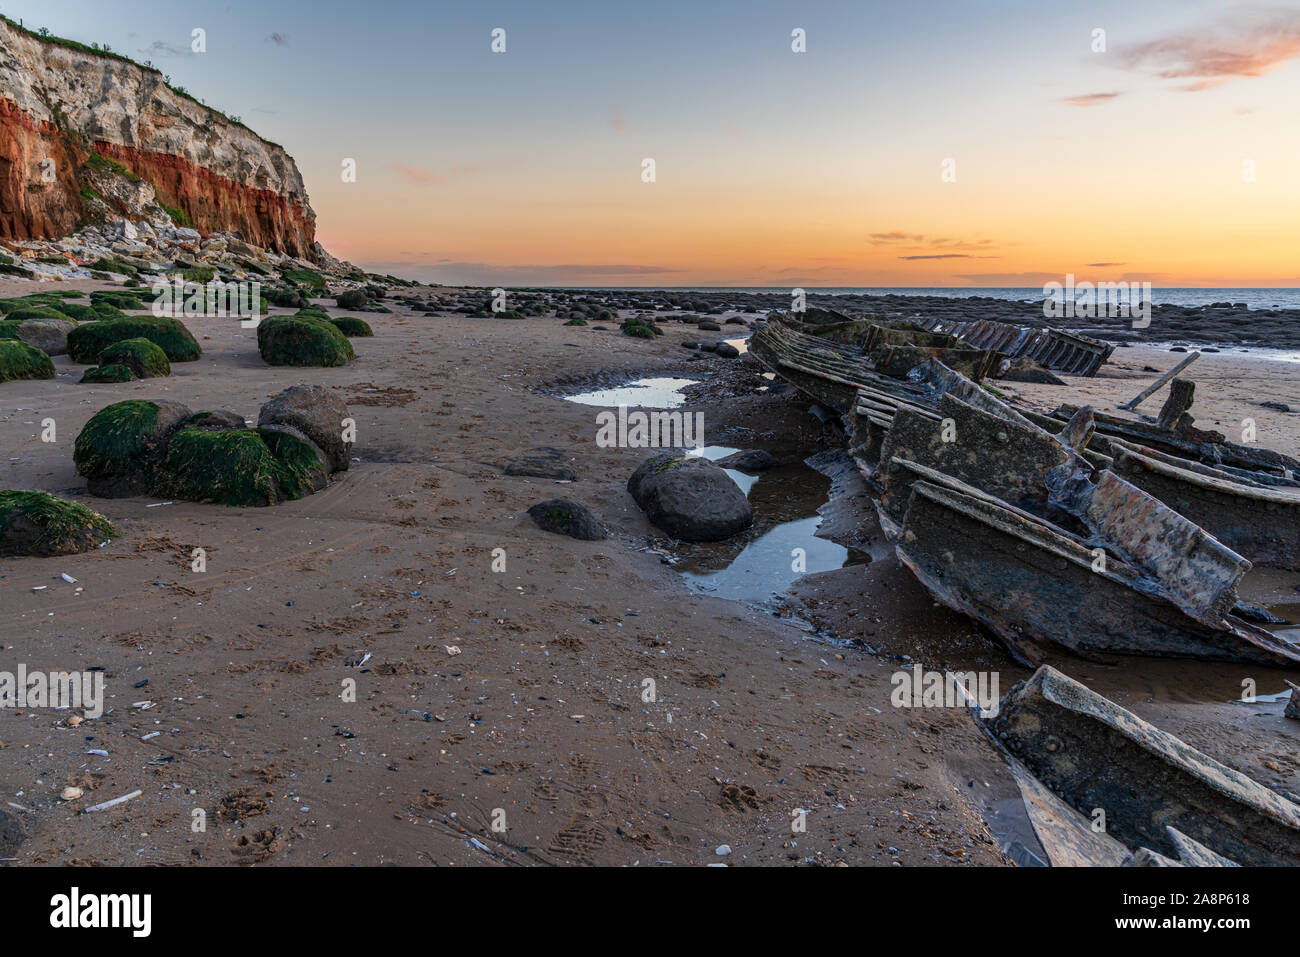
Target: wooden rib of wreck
1206,447
1013,526
1259,520
1056,349
1094,754
891,349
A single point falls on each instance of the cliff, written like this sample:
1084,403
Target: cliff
59,103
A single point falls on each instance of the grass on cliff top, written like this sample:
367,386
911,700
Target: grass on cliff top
64,527
18,360
238,467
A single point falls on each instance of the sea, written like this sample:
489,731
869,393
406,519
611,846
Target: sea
1274,298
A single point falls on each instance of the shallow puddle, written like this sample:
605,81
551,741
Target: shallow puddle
661,393
781,546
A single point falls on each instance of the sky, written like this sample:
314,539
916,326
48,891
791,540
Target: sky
923,143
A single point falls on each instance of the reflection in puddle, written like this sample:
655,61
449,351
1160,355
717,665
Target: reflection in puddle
662,393
763,561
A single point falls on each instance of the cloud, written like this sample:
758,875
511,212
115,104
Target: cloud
1010,278
160,49
947,256
1103,265
923,243
1249,46
422,177
279,39
1090,99
616,121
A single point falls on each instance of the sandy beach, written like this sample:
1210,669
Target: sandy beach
517,695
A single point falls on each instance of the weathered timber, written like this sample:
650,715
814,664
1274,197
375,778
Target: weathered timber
1037,587
1094,754
1174,413
1260,521
1154,387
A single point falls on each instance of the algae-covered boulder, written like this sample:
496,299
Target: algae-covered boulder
352,299
90,339
567,518
302,341
34,523
79,312
315,413
18,360
120,449
38,312
240,467
101,375
640,329
118,299
690,497
141,356
352,327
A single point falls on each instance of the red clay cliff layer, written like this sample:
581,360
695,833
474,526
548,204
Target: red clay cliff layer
214,203
31,208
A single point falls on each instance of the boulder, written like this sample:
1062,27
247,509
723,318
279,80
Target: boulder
48,335
34,523
142,357
567,518
120,449
690,497
750,460
90,339
219,421
352,327
317,414
240,467
726,350
302,341
18,360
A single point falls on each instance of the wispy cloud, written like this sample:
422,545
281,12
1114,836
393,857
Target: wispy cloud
946,256
924,243
1090,99
1251,45
415,174
279,39
160,49
1103,265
